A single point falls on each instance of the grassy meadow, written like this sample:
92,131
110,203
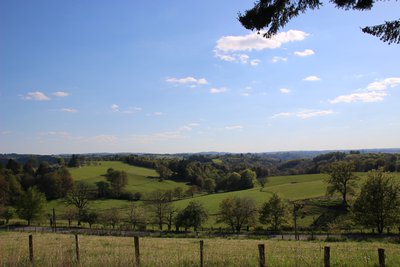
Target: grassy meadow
143,180
59,250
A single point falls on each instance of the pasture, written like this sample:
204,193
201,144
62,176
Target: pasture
59,250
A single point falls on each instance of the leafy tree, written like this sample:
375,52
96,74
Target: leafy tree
14,166
274,212
236,212
232,183
103,189
112,217
79,197
137,216
178,192
262,181
159,205
194,215
378,204
209,185
75,161
8,213
118,180
341,179
29,167
247,179
274,15
30,205
89,216
163,171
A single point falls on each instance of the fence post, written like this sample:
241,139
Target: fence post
327,257
261,253
77,248
381,254
201,253
137,251
31,248
54,220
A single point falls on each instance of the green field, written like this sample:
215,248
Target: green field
143,180
59,250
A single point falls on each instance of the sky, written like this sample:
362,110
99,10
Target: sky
185,76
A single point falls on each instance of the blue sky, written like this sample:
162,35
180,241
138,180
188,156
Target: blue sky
185,76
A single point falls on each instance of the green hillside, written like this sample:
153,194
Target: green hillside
140,179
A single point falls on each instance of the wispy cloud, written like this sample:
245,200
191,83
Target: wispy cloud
284,90
217,90
312,78
233,127
374,92
37,96
60,94
187,80
230,48
69,110
114,108
304,114
366,97
278,59
305,53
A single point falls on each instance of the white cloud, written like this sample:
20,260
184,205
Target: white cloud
305,53
255,62
312,78
217,90
384,84
284,90
254,41
157,113
68,110
277,59
374,92
228,48
61,94
304,114
245,94
194,124
38,96
114,107
366,97
104,138
233,127
187,80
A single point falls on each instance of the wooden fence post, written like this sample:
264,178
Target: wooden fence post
31,248
261,253
137,251
77,248
381,254
327,257
201,253
54,221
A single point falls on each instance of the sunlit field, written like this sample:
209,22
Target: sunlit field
59,250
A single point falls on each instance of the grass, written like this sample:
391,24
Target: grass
144,180
140,179
59,250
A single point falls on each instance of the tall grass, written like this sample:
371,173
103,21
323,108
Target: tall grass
59,250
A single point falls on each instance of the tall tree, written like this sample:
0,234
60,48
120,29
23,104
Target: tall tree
118,180
274,212
378,204
30,206
136,216
341,179
159,205
194,215
237,212
79,197
275,14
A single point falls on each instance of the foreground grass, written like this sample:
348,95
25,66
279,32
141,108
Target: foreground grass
59,250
